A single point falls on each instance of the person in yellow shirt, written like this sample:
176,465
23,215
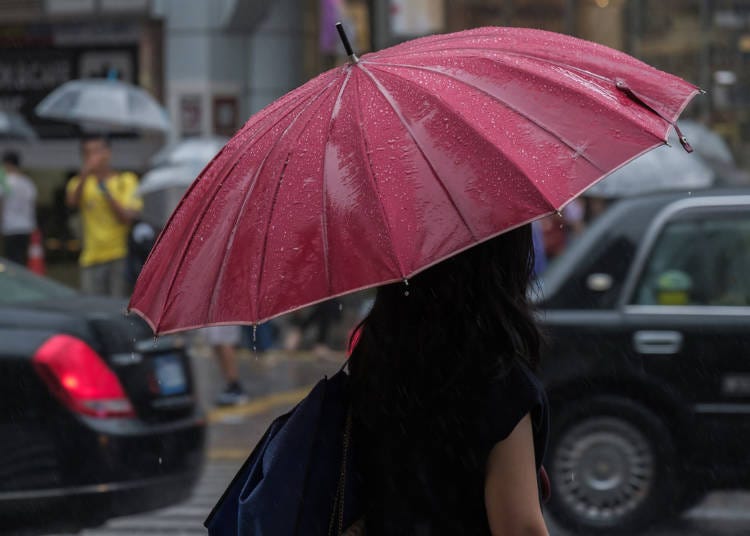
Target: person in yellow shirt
108,204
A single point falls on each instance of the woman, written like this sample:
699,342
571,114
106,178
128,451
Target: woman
449,422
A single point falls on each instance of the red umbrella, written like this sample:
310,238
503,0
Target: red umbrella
378,169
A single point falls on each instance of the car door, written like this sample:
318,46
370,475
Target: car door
687,310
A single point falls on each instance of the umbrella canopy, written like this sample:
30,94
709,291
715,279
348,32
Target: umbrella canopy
14,127
104,103
376,170
663,169
200,149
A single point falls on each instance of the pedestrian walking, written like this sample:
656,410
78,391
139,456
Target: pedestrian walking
18,207
223,341
108,204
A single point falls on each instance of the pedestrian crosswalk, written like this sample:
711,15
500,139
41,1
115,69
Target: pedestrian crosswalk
185,519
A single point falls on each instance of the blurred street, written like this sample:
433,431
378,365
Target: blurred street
276,381
222,162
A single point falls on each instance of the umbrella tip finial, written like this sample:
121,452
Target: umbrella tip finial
345,40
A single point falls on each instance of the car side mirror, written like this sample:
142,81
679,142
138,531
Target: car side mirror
599,282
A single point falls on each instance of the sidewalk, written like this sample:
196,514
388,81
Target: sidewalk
275,381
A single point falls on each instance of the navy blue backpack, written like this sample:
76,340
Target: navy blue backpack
301,478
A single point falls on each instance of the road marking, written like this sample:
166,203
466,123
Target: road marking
227,454
258,406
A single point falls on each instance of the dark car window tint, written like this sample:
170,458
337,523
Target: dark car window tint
699,262
18,285
607,247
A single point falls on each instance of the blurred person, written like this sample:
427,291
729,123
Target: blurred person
595,207
449,419
574,214
18,206
108,204
559,230
540,257
223,341
322,317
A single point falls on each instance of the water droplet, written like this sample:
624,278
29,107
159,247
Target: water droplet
156,341
159,460
255,338
406,284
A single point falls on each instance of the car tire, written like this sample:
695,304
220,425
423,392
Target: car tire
612,467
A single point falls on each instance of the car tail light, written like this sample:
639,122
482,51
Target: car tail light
80,378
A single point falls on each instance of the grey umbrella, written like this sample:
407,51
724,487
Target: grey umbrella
707,143
710,146
178,176
14,127
163,187
104,103
662,169
199,149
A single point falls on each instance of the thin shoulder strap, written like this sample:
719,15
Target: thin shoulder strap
337,513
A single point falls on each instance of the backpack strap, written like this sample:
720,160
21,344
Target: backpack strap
337,513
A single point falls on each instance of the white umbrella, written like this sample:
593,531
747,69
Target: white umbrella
162,188
105,103
199,149
14,127
174,176
707,143
662,169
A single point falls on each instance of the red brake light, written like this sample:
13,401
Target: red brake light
80,378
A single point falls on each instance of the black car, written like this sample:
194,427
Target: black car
97,418
647,360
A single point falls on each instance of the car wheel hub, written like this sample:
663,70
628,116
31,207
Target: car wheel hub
603,469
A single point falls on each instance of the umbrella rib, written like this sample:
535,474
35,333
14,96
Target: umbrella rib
389,99
364,148
515,164
431,52
251,187
203,213
541,59
504,103
276,193
296,96
324,190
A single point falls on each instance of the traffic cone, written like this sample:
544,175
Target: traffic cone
35,261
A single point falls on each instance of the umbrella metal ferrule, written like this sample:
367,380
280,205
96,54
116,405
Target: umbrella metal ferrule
347,45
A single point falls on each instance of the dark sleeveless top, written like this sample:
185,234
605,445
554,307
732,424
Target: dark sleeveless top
509,399
443,498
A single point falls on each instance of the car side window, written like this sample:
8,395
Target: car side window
699,261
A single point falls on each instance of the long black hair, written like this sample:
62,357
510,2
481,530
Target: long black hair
427,354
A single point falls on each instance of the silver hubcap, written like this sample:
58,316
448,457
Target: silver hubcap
603,469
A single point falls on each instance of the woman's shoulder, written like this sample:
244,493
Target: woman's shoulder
517,385
509,397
